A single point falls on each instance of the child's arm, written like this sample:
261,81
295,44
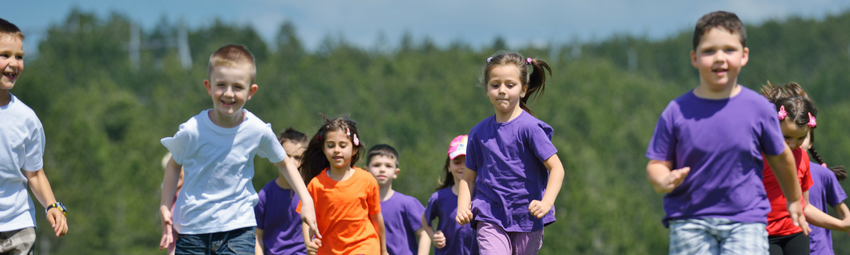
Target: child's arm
663,178
424,241
841,211
464,197
540,208
437,238
289,172
40,187
259,246
786,174
169,188
311,244
378,223
821,219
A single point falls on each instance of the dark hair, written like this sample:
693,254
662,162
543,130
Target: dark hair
795,100
720,19
535,82
382,150
314,159
233,55
292,136
9,29
839,171
449,180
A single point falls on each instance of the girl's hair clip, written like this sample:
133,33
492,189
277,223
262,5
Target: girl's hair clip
528,60
823,165
347,132
782,113
319,137
356,141
812,121
488,59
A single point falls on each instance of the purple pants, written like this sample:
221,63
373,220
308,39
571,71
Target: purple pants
492,239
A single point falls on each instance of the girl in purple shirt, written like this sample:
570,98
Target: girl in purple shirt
449,237
513,166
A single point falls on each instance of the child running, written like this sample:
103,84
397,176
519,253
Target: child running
216,149
165,160
513,166
278,225
402,213
348,199
450,238
22,143
796,118
825,191
706,153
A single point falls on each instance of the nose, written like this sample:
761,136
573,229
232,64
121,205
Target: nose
719,57
503,89
228,91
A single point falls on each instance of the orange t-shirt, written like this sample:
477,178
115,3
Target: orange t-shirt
342,212
779,222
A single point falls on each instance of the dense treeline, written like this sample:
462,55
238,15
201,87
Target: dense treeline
104,118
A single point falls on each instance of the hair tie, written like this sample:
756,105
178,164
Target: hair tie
812,121
823,165
488,59
356,141
528,60
782,113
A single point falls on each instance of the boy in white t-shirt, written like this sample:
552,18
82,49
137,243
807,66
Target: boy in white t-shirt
215,208
21,147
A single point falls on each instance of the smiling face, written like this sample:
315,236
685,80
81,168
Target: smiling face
338,149
457,167
719,58
794,134
11,61
384,168
505,89
230,88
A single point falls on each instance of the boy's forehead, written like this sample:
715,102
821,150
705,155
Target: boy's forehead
240,71
720,33
383,157
12,42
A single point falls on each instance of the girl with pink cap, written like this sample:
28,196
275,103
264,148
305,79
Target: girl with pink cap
450,237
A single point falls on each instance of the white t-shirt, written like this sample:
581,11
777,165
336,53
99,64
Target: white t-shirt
218,166
21,147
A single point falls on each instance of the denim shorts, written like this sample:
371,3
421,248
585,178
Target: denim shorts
717,236
237,241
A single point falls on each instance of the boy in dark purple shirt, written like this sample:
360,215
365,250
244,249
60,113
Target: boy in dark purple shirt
278,224
402,213
706,152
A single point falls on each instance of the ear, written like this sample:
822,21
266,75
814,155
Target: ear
694,59
251,91
208,86
397,171
524,89
746,57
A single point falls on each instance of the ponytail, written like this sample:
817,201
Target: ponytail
449,179
534,82
839,171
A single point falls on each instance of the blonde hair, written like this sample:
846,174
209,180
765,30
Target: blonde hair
233,55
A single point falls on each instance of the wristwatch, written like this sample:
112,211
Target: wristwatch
57,205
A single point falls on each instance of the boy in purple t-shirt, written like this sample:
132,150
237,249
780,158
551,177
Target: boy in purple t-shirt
706,152
402,213
278,224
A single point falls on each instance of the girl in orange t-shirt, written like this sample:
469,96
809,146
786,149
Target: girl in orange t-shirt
346,198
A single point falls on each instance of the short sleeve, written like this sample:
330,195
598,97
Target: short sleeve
663,141
540,139
834,193
432,209
34,144
260,209
270,148
177,144
374,197
414,213
771,139
471,151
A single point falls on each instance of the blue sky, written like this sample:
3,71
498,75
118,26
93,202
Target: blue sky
476,22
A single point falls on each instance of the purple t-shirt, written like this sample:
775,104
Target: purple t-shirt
281,224
402,217
508,158
824,193
460,240
722,142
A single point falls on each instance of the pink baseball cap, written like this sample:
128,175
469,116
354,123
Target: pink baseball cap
458,146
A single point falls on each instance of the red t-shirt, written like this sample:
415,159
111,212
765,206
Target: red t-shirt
779,222
342,212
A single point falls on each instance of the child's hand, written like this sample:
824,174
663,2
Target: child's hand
439,239
57,221
167,225
674,179
308,215
795,210
313,246
539,208
464,215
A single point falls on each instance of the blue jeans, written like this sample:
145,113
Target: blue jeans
237,241
717,236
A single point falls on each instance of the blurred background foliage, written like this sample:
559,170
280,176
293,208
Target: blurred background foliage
104,117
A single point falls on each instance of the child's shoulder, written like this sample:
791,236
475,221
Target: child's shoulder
405,199
442,193
18,107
